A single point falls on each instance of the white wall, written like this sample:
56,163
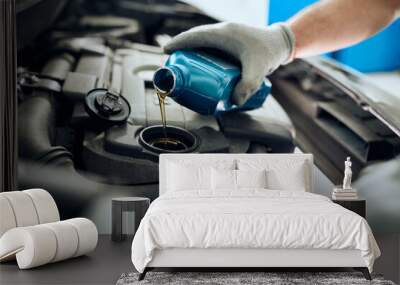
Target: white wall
252,12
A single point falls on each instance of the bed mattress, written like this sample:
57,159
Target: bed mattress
250,219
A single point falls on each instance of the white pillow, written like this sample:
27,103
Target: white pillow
230,180
251,178
183,178
186,174
285,174
223,179
292,179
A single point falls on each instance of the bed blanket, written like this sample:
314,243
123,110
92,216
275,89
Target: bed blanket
252,218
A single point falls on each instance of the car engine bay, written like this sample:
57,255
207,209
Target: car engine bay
114,47
118,51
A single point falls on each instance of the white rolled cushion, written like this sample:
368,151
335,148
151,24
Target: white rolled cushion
67,240
251,179
7,218
281,174
223,179
33,246
37,245
23,208
45,205
87,235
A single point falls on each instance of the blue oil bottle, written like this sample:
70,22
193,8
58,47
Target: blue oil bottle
204,82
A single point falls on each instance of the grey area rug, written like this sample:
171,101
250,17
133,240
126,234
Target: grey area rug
243,278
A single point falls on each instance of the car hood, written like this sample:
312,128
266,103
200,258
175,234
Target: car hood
382,104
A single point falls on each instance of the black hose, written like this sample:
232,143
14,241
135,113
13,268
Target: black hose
36,117
36,121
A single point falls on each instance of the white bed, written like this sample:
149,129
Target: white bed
280,225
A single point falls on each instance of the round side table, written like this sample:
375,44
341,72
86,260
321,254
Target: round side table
139,205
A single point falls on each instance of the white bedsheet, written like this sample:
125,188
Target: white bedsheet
250,219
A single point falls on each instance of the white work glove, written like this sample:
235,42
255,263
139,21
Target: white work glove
260,50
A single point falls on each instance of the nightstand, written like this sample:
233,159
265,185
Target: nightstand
139,205
357,206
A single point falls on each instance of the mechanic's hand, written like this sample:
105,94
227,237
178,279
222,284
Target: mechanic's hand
260,50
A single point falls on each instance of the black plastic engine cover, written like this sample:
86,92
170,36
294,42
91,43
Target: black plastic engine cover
118,155
275,137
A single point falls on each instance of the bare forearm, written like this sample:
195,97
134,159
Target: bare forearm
334,24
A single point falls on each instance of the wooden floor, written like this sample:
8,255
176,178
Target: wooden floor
103,266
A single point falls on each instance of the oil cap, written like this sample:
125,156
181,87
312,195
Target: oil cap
107,106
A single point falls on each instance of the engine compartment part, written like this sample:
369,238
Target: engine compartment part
329,122
170,139
107,106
